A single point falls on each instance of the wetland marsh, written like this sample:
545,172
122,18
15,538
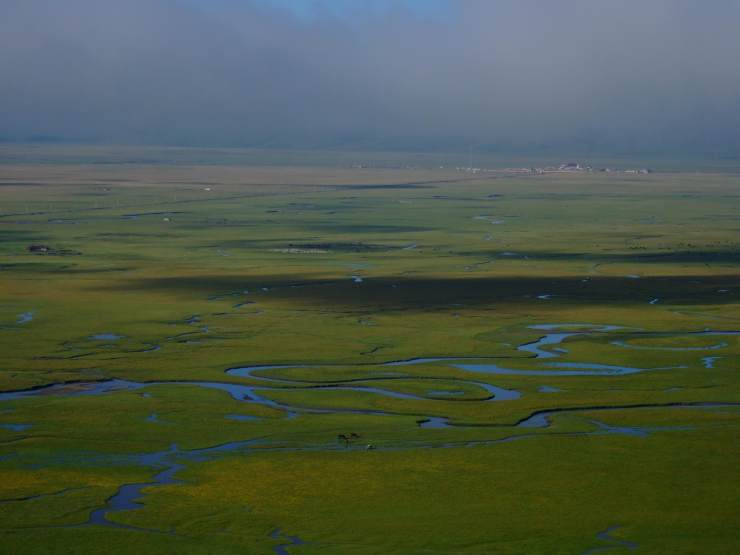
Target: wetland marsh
245,358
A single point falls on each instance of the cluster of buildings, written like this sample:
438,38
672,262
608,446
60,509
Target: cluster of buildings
576,167
568,167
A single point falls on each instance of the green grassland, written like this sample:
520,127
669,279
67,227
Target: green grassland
168,275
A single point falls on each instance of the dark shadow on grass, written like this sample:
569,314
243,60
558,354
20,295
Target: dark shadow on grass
47,268
406,185
302,244
345,228
20,236
419,293
637,256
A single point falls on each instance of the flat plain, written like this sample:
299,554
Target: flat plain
203,356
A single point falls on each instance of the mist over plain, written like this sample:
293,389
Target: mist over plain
658,76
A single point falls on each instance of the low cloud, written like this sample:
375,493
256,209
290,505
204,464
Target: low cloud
509,74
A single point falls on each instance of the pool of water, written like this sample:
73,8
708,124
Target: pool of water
548,389
25,317
566,369
16,427
541,419
708,362
242,417
434,422
712,347
106,337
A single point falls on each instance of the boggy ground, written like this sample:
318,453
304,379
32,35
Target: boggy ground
517,364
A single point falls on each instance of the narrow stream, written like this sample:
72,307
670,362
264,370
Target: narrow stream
169,462
606,535
282,548
25,317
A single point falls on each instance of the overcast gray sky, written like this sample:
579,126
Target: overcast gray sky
610,75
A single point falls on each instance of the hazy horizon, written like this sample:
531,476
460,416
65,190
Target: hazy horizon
505,76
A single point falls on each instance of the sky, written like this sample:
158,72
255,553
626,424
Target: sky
625,76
